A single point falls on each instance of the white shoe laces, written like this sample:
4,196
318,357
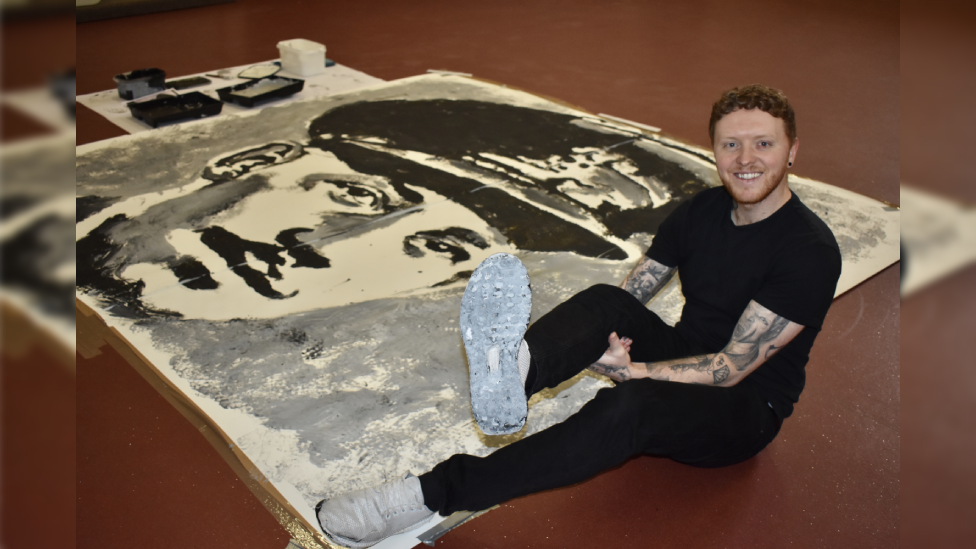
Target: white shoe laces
396,498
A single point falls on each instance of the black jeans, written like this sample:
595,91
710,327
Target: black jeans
698,425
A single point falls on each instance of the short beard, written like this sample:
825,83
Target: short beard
763,192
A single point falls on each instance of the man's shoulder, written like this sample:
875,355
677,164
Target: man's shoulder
810,226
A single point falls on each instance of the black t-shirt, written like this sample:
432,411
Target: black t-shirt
788,263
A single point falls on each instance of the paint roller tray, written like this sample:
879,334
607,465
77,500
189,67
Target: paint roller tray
174,108
251,93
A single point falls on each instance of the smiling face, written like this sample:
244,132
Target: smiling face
752,152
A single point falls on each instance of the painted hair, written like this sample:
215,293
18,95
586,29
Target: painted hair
756,96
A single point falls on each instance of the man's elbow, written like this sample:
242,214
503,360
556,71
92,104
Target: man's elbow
731,380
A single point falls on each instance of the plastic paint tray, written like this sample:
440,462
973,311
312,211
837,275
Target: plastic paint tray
140,82
175,108
251,93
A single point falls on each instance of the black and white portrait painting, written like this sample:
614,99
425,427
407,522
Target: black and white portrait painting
297,271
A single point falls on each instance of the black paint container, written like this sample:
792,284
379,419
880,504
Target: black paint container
251,93
140,82
175,108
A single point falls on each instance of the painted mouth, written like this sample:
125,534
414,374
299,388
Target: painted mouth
748,175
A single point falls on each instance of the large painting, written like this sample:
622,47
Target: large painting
297,272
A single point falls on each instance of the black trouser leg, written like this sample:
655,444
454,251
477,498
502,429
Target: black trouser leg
699,425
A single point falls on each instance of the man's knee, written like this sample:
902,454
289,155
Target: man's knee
599,294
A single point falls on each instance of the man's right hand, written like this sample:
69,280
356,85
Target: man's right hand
615,362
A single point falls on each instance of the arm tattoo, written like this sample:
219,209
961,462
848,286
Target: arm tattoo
758,327
701,365
721,374
750,334
619,373
647,278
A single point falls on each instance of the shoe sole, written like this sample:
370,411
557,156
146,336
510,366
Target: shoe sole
495,312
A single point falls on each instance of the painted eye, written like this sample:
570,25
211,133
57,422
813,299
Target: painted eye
451,243
357,195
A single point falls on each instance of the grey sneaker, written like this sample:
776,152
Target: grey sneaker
495,312
367,517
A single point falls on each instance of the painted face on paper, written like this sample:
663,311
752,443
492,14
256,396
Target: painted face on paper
752,152
336,237
384,211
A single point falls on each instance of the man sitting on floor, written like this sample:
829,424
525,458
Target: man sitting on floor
758,271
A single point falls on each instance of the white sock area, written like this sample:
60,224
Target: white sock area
524,358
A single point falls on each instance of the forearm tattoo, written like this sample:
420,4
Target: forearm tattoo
616,373
700,364
647,278
716,364
757,328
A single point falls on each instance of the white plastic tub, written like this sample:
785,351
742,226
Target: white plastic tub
302,57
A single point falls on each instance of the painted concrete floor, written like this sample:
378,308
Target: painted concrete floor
831,479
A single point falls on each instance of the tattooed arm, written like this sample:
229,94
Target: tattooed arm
758,335
647,279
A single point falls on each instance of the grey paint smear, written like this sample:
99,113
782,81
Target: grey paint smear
858,231
331,374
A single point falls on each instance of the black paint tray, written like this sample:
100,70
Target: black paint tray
174,108
140,82
251,93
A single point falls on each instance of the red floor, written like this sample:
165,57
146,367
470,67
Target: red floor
831,479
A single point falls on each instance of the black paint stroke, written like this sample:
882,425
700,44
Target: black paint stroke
450,241
95,273
460,275
238,164
193,274
233,250
304,255
87,206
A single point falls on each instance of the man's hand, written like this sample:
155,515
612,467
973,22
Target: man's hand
615,362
